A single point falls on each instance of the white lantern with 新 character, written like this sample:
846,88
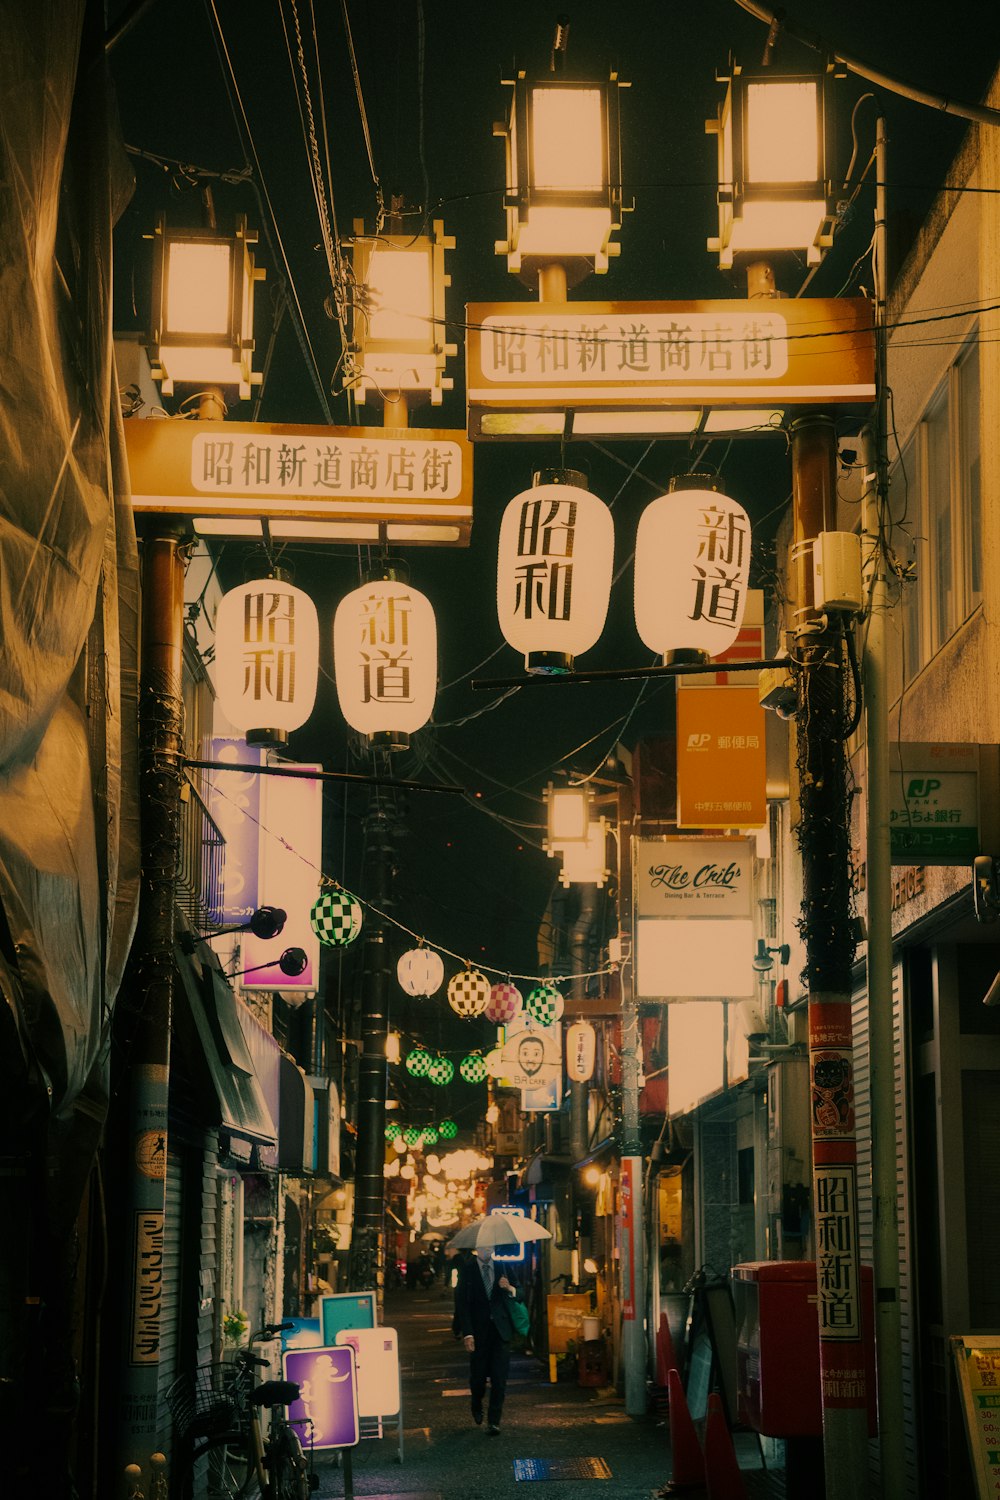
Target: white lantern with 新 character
385,660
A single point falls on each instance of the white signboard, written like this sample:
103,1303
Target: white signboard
377,1357
290,859
693,877
531,1056
299,464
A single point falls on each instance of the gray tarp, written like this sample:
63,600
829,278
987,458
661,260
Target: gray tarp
68,580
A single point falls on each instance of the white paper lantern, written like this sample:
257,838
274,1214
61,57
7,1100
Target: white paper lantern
385,660
581,1049
554,563
420,971
692,569
266,657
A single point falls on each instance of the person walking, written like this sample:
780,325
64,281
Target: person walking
482,1300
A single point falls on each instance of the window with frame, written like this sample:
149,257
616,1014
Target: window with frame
937,513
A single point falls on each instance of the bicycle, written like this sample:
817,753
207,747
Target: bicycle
218,1414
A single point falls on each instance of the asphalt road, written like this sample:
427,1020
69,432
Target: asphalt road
447,1457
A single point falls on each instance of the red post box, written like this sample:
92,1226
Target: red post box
777,1347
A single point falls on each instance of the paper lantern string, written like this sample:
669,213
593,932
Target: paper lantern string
326,881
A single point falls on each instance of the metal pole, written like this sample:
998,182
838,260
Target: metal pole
878,882
824,842
147,1010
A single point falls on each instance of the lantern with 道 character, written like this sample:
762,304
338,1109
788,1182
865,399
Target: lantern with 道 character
504,1003
385,660
468,993
420,971
581,1048
554,562
266,658
692,570
336,917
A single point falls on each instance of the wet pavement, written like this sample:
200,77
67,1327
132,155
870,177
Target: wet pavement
559,1426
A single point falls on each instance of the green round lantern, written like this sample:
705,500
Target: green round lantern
447,1130
544,1004
391,1131
411,1135
473,1068
336,918
441,1071
418,1062
430,1135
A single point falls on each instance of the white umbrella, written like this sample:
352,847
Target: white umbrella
498,1229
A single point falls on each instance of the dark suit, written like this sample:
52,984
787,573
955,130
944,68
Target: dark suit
487,1320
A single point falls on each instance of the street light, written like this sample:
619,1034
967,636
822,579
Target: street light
202,307
774,138
567,816
398,327
563,197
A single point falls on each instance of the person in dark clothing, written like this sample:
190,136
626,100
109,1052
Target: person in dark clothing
482,1299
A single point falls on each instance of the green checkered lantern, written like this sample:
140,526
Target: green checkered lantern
336,918
430,1135
468,993
411,1135
544,1004
473,1068
447,1130
441,1071
391,1132
418,1062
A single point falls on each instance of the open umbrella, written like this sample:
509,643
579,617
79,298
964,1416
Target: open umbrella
431,1234
498,1229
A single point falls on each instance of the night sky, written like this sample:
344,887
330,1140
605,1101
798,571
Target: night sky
430,74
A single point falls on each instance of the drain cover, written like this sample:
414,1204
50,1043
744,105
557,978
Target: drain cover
561,1468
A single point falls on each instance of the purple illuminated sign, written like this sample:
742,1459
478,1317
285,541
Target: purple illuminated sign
326,1413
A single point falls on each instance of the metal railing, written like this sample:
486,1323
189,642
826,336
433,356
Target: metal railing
200,873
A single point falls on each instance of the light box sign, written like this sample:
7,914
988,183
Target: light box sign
234,803
697,1049
377,1362
942,802
326,1412
694,931
291,813
418,483
721,758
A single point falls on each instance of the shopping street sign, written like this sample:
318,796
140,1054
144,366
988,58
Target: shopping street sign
335,484
663,369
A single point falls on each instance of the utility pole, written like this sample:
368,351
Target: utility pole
878,881
827,928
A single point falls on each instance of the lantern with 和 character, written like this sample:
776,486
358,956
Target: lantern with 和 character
266,658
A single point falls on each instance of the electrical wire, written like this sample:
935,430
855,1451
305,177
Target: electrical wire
363,113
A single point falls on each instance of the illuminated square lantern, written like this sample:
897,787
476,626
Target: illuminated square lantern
398,344
563,195
201,315
774,140
567,816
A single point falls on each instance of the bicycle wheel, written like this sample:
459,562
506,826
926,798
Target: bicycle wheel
228,1473
287,1466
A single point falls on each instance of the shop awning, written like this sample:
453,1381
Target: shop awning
240,1104
296,1119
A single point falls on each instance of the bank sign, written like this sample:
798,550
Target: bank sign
942,802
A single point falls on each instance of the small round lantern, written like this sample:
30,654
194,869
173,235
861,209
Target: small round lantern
544,1004
391,1132
418,1062
493,1062
336,918
473,1068
420,971
411,1135
430,1135
441,1071
504,1003
468,993
447,1130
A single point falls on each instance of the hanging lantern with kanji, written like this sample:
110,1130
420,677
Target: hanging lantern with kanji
544,1004
266,658
420,971
504,1003
554,563
336,917
581,1050
468,993
473,1068
692,570
385,660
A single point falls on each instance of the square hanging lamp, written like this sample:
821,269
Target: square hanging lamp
201,311
563,196
775,140
398,329
567,816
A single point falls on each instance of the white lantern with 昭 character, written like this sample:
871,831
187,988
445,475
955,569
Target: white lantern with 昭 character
692,570
554,563
266,658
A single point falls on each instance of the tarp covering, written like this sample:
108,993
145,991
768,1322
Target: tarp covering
68,576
